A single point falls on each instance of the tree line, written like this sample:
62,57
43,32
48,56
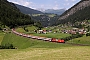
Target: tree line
72,37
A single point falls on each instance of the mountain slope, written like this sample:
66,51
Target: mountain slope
58,11
78,12
27,10
46,19
11,16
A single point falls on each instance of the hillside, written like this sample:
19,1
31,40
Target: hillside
11,16
58,11
23,43
27,10
45,19
78,12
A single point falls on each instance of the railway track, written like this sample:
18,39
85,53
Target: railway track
46,39
38,37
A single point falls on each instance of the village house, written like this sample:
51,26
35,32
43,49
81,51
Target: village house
74,31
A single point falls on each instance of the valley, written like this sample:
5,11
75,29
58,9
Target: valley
29,34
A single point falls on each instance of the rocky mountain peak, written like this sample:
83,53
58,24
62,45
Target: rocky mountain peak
79,6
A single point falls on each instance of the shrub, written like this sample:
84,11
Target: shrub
88,34
7,46
72,37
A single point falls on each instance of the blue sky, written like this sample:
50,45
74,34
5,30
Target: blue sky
46,4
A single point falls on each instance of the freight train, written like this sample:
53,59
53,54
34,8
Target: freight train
38,37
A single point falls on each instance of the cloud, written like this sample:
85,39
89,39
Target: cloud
66,0
45,4
56,7
73,0
23,2
70,0
67,4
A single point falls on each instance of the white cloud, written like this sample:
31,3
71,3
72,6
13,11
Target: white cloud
54,4
42,5
69,0
67,4
73,0
56,7
66,0
23,2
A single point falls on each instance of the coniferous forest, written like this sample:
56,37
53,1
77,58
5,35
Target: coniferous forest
11,16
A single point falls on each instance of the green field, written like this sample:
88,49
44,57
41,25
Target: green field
53,35
51,15
1,36
88,20
66,53
36,14
31,49
82,40
29,28
21,30
22,42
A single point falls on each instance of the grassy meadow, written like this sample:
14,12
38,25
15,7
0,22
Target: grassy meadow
53,35
22,42
1,36
21,30
65,53
30,29
82,40
31,49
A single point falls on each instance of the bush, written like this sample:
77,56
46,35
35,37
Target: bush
88,34
7,46
72,37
